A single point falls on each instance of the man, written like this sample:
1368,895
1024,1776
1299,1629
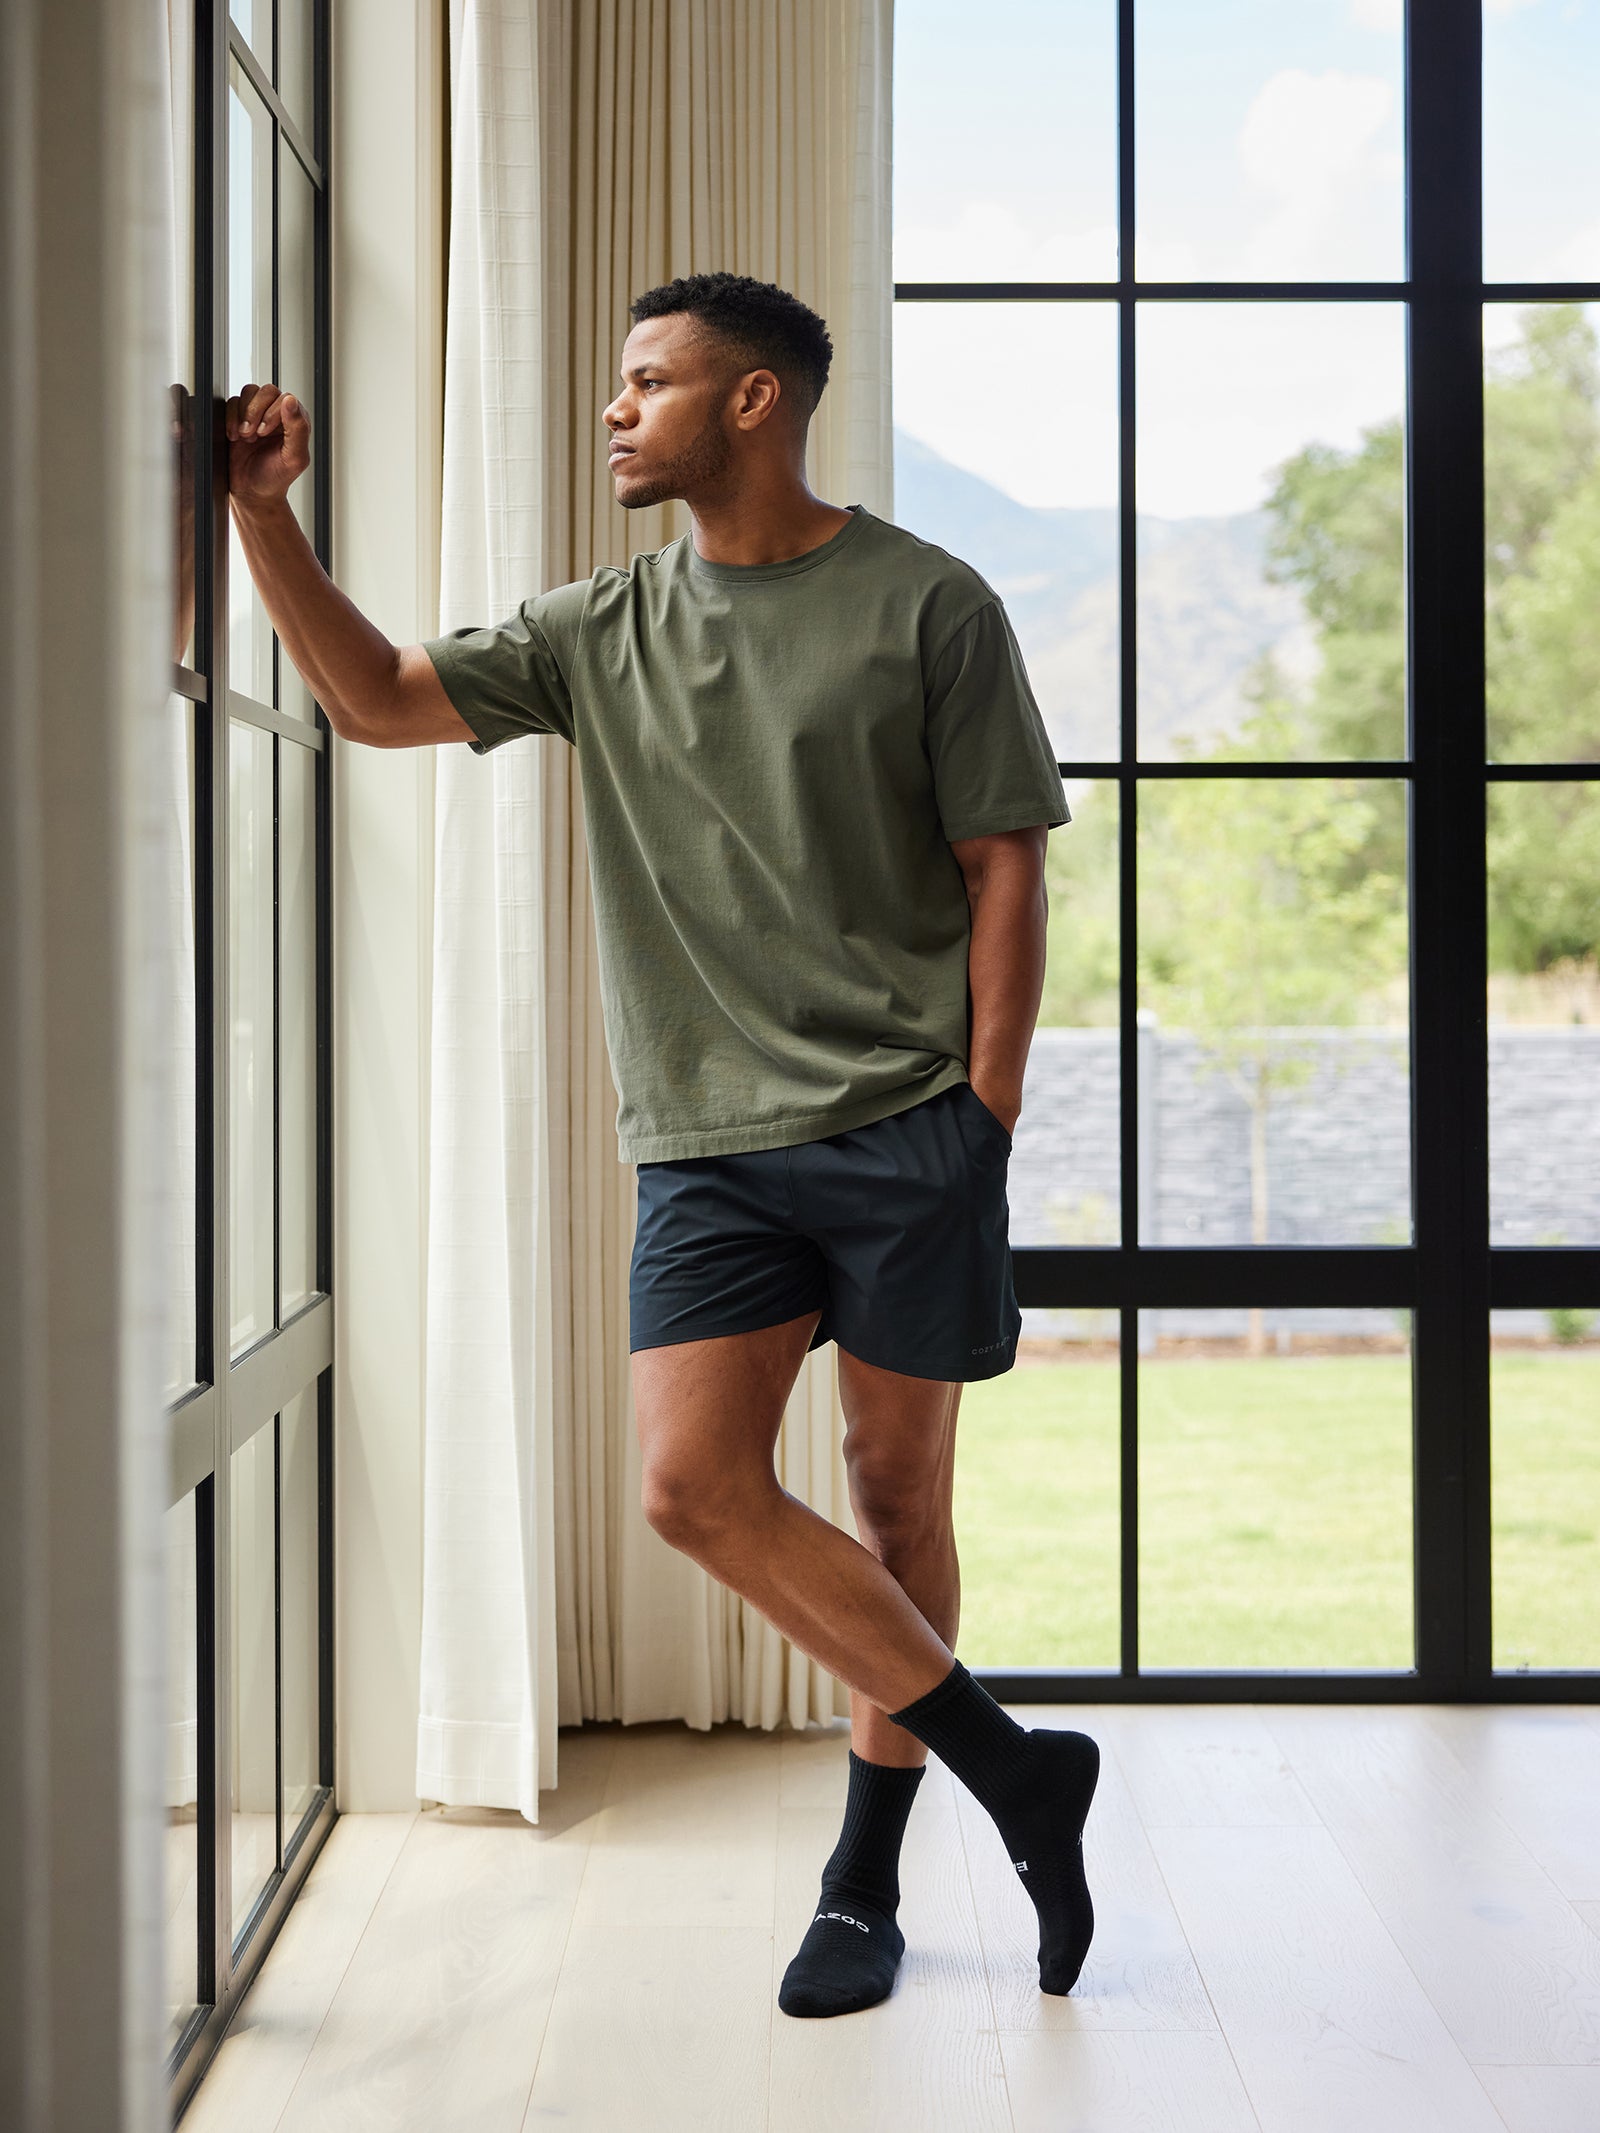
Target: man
817,790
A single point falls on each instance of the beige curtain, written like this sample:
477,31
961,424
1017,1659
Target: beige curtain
599,147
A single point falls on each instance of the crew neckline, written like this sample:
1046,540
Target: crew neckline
787,566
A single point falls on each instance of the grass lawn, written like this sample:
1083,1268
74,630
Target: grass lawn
1546,1496
1275,1511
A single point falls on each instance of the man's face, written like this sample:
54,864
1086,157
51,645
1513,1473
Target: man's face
669,430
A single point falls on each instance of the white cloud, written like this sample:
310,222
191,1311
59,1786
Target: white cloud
1311,143
1227,391
1024,395
1508,7
988,241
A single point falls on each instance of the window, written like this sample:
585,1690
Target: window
248,1377
1296,518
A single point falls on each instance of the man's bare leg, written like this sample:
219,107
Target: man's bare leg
708,1414
899,1450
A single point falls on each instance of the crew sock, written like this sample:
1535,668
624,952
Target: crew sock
853,1945
1036,1783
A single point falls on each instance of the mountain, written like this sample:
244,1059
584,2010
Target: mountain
1205,608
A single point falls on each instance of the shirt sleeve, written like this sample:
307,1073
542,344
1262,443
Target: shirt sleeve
505,679
994,767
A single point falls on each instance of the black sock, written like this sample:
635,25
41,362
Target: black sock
853,1946
1037,1784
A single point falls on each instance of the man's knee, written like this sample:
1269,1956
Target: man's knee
901,1502
688,1502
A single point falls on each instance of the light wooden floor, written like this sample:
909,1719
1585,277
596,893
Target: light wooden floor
1351,1919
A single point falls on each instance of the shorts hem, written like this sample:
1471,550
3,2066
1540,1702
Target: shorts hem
721,1332
998,1363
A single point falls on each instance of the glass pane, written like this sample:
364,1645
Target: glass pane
1036,514
1270,140
297,1523
1270,492
1541,149
1066,1167
250,359
296,62
1544,1393
297,1034
183,1766
177,136
1005,162
1037,1500
250,1050
254,18
255,1741
297,312
1544,1013
1541,410
1274,1044
180,895
1275,1489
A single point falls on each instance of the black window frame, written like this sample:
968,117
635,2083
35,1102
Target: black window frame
1450,1277
234,1397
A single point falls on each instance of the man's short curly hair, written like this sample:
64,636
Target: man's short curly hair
762,326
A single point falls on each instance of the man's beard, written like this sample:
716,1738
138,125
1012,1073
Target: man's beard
705,458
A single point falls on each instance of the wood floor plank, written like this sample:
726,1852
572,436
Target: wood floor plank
1124,2081
1372,1905
1540,1765
1206,1766
436,2025
690,1825
266,2048
1498,1950
1328,2026
813,1768
662,2015
665,2027
1545,2099
1140,1972
925,2058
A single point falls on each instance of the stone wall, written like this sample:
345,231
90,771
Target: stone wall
1337,1138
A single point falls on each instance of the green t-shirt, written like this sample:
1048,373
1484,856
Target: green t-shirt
775,758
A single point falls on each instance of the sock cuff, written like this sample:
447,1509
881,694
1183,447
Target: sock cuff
886,1777
942,1694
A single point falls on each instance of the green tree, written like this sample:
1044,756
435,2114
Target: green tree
1080,980
1337,533
1260,909
1543,856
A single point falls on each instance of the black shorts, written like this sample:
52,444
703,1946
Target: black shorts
896,1231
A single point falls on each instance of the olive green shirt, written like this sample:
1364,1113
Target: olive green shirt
775,760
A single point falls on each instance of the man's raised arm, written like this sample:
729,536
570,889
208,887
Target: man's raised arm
385,695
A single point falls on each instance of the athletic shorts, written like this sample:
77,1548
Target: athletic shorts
896,1231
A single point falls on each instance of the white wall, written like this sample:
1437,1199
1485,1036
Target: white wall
387,175
84,601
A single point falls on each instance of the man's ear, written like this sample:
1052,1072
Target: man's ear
760,398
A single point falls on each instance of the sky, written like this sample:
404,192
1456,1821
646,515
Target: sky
1269,137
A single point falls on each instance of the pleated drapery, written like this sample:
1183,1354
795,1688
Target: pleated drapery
599,147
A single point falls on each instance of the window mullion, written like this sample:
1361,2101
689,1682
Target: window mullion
1446,739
